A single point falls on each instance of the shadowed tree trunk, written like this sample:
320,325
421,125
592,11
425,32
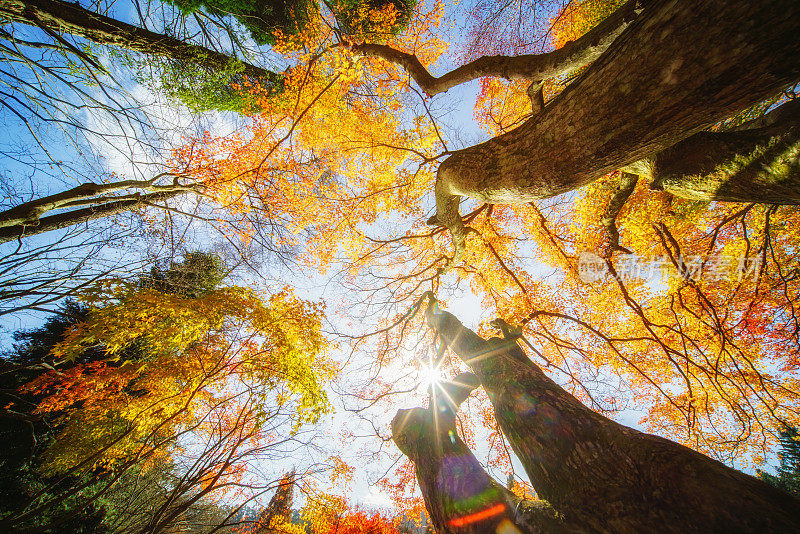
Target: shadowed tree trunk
757,164
461,498
58,16
601,476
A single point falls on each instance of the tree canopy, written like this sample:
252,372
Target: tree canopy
621,201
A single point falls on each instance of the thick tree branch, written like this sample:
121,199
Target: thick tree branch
651,89
59,16
757,162
534,67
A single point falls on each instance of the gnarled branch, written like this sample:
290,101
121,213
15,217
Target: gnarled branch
625,187
650,90
534,67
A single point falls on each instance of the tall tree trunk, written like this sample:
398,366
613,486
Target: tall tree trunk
680,67
460,496
94,194
602,476
59,16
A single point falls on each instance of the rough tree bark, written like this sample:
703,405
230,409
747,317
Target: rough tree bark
601,476
678,68
461,498
58,16
760,163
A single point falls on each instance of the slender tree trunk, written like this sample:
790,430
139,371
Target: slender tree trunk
59,16
680,67
83,215
602,476
88,194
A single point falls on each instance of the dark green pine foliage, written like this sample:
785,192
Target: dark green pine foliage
787,477
195,276
261,17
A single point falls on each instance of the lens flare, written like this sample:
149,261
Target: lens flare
486,513
430,375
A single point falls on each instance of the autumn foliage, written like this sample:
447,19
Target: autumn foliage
692,324
710,359
187,354
330,514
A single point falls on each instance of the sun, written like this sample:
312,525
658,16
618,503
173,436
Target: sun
430,375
